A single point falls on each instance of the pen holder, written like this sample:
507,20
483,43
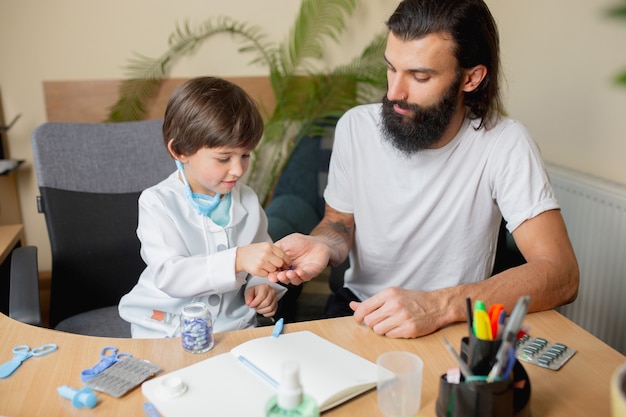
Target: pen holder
503,398
479,354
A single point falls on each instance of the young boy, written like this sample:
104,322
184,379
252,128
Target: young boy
203,234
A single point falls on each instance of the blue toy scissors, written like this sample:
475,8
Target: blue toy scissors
21,353
108,356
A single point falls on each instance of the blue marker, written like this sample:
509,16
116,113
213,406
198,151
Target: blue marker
278,328
258,371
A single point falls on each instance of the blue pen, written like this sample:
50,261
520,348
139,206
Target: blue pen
278,327
501,321
510,362
258,371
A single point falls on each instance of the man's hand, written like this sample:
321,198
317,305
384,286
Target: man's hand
399,313
309,256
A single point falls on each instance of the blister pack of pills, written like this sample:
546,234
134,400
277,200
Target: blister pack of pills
123,376
538,351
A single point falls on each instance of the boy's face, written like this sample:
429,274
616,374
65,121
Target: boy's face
215,170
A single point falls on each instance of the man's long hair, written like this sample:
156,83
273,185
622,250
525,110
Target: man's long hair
475,35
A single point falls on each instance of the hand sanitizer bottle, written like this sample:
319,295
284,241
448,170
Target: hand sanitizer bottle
289,400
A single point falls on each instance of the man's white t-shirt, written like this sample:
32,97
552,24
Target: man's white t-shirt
431,220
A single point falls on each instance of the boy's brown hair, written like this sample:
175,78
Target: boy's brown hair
211,112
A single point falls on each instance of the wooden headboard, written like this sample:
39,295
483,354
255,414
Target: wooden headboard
90,100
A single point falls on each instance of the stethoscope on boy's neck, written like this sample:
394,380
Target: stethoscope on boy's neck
203,203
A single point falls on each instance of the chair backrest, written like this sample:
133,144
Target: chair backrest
306,173
90,176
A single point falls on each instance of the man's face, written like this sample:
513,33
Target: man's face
424,92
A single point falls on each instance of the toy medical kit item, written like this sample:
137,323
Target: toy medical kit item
108,356
80,398
196,328
21,353
278,327
539,351
173,386
123,376
150,409
289,400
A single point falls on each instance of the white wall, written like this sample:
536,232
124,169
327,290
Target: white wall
558,57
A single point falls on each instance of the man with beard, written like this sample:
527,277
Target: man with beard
419,183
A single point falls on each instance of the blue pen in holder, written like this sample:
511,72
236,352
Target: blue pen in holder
504,397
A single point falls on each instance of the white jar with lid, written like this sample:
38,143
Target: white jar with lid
196,328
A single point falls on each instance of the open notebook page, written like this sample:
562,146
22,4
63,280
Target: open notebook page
223,385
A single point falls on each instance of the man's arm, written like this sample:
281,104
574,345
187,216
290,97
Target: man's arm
329,243
550,277
337,229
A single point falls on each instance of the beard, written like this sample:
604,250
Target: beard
425,127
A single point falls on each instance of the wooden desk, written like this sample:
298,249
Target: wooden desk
580,388
10,236
9,201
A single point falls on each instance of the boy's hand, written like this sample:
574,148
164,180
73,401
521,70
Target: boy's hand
260,259
309,256
263,299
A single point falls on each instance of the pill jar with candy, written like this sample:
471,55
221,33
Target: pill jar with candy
196,328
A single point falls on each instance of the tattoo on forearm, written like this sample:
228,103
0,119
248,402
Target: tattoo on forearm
340,228
339,236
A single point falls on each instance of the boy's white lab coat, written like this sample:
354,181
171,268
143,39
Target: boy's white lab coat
190,258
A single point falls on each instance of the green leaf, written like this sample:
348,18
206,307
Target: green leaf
304,96
133,95
617,11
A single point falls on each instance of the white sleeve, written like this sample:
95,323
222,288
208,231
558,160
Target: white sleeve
338,192
171,265
522,188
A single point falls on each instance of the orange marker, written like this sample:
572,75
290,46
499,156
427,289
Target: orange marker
494,317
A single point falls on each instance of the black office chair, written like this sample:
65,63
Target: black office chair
90,176
24,302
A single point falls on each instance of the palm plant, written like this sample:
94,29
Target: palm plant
620,13
307,99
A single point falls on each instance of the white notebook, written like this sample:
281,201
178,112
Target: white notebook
241,382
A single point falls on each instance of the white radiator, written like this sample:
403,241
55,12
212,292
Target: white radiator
595,214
